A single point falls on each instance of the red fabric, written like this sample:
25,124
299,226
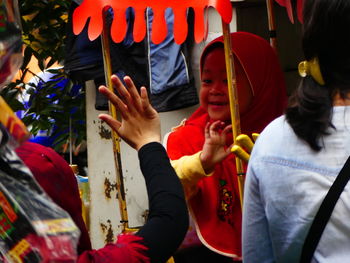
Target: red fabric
220,235
127,249
56,249
300,5
57,179
288,5
91,10
216,207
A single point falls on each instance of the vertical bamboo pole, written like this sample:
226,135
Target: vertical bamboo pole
233,98
271,23
112,111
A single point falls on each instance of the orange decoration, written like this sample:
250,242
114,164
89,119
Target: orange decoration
93,9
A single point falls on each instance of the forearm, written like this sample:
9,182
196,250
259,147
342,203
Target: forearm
167,223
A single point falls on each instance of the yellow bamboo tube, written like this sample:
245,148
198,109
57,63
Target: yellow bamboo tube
113,112
233,98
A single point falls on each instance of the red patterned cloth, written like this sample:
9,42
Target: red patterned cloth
55,176
127,249
216,206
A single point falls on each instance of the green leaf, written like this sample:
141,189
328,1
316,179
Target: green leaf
44,37
27,56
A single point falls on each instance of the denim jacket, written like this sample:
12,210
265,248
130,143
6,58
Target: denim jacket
285,185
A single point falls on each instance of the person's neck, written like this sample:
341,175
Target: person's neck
339,101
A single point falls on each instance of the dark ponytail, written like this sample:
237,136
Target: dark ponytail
326,36
310,112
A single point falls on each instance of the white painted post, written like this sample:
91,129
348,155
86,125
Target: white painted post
104,207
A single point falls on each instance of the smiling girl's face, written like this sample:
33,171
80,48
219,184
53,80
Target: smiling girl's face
214,94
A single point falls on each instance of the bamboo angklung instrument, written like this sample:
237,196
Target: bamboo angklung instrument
92,8
113,112
233,98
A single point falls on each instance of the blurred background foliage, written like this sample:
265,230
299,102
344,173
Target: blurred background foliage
56,106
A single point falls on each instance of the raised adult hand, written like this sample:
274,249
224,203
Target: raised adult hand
140,122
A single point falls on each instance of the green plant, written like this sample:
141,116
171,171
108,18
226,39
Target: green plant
55,106
44,27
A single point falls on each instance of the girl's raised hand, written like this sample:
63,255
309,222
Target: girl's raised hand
214,148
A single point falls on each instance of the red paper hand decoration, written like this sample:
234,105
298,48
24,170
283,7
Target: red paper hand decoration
288,5
93,9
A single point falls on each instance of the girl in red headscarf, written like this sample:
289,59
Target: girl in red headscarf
211,184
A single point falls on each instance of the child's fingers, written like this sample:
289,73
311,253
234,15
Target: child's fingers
206,131
228,150
216,125
214,128
115,100
227,129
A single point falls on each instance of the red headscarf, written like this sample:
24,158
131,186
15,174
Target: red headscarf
216,206
263,70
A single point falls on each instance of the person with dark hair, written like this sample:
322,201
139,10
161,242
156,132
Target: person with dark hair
35,228
167,221
298,156
209,175
57,179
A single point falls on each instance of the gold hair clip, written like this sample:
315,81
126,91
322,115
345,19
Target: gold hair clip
311,68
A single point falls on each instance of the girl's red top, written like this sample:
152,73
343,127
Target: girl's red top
216,207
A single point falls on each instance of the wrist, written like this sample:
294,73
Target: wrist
146,141
207,165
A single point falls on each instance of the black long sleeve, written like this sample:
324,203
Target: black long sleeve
167,222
